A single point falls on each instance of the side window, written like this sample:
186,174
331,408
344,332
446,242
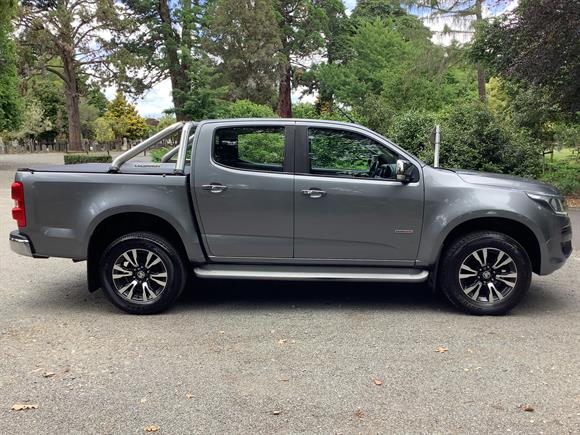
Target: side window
347,154
253,148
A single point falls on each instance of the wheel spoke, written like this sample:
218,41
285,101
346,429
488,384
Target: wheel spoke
504,263
479,260
468,269
130,287
130,260
124,272
493,291
475,287
484,256
506,282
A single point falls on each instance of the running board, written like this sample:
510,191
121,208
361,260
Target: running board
307,273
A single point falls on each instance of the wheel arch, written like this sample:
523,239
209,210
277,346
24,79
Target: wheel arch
510,227
116,225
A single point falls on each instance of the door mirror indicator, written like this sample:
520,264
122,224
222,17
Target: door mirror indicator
404,171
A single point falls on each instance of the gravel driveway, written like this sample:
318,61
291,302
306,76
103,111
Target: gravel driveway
268,357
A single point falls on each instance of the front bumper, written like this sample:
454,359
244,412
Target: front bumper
558,247
20,244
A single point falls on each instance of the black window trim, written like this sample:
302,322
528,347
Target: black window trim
289,139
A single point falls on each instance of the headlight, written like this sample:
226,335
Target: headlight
556,203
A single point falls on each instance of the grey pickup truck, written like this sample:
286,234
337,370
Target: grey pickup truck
293,200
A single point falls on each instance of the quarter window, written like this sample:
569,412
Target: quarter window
253,148
347,154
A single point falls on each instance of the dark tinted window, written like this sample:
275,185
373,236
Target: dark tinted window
253,148
347,154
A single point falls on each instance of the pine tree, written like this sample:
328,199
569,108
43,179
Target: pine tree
244,35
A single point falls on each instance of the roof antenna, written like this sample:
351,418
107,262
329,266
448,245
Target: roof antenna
346,115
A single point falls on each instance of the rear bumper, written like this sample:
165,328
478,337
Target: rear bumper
20,244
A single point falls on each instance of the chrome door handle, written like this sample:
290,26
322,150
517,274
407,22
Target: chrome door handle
214,188
314,193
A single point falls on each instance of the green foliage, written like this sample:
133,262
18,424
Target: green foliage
244,35
75,158
537,44
124,119
34,120
245,109
157,153
262,147
103,130
471,138
565,175
10,101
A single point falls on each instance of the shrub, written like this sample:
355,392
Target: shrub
565,176
158,153
73,159
246,109
411,131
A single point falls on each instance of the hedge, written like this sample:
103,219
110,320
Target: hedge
73,159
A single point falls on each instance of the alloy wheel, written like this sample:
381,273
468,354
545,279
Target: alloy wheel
488,275
139,275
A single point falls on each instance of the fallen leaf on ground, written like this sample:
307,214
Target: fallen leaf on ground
143,400
23,406
222,332
276,412
284,380
528,408
359,414
441,349
282,341
48,374
378,382
152,428
189,396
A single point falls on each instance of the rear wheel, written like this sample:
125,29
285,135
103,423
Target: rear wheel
142,273
485,273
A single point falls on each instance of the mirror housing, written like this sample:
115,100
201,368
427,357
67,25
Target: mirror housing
404,170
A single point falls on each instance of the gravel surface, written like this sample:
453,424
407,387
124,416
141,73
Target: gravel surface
266,357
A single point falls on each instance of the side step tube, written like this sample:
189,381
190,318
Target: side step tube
310,273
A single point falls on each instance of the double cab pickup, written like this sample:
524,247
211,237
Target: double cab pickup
293,200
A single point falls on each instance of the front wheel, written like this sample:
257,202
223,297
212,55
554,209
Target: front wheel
485,273
142,273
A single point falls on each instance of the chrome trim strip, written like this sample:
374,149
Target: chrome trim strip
309,273
129,154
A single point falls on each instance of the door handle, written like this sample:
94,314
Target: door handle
214,188
314,193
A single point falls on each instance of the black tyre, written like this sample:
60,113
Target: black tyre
142,273
485,273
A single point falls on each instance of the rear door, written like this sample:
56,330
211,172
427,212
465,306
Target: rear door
243,184
348,205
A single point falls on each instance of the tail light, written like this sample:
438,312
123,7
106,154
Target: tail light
19,211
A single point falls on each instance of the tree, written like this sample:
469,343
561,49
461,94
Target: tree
10,101
537,45
124,119
168,43
300,23
34,120
72,33
103,130
466,16
244,35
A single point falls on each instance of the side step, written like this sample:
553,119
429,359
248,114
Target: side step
308,273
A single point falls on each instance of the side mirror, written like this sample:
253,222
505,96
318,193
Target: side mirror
404,171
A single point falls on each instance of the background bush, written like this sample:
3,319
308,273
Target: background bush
73,159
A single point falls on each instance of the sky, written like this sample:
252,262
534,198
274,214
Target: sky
158,98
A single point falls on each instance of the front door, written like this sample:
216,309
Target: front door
349,206
244,190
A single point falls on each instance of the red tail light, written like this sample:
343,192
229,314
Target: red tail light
19,211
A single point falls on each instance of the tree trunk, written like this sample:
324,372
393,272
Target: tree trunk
480,70
285,93
72,103
177,72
